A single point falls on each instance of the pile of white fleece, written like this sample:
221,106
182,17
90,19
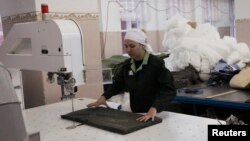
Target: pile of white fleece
201,47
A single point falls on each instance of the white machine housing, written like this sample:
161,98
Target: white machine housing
51,45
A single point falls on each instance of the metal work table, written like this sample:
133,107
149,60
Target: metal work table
220,96
175,127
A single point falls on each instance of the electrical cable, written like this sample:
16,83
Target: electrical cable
106,30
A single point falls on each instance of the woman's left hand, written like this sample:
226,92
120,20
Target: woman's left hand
150,115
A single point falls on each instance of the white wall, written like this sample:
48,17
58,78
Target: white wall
66,6
13,7
242,9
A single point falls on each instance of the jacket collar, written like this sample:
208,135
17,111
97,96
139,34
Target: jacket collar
144,62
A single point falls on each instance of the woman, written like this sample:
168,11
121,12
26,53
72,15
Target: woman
144,76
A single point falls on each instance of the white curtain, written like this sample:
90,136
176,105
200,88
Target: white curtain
219,13
184,8
211,10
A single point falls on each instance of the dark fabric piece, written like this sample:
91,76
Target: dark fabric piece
222,73
150,87
111,66
187,77
191,90
113,61
110,119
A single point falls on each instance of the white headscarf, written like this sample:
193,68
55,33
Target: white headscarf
139,36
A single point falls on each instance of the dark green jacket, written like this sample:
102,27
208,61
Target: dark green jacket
151,85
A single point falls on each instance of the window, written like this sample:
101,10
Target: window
141,13
131,13
220,13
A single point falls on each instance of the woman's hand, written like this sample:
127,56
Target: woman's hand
100,101
150,115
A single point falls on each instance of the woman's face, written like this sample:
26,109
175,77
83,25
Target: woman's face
135,50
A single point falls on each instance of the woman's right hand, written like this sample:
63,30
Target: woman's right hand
100,101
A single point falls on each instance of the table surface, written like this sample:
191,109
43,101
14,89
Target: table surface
175,127
218,94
